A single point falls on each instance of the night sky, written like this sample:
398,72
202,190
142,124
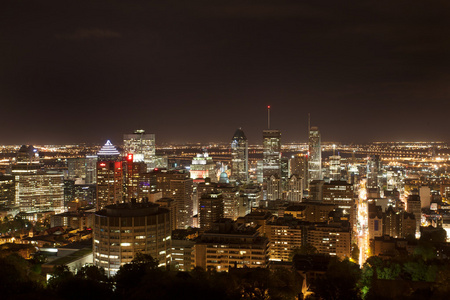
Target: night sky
194,71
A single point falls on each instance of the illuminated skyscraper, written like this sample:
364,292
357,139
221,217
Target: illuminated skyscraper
373,171
203,167
109,176
35,189
271,153
239,157
299,167
315,155
142,146
335,167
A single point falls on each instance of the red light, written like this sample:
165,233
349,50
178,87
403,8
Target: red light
102,165
268,106
130,157
156,169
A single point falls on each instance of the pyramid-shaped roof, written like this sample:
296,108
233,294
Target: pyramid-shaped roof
108,150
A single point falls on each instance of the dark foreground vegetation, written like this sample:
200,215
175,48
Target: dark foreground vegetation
419,276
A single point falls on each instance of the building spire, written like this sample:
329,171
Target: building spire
268,116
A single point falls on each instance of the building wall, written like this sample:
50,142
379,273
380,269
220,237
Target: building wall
118,239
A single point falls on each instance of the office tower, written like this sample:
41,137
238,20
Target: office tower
373,171
123,230
274,189
299,167
260,171
316,190
178,186
76,168
413,207
239,157
134,177
203,167
109,176
40,192
27,161
294,190
285,173
339,193
315,155
335,167
85,192
210,209
6,190
91,169
142,146
271,153
69,191
35,189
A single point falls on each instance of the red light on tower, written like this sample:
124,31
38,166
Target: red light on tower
102,165
130,157
268,106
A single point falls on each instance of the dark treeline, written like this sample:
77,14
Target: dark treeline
417,276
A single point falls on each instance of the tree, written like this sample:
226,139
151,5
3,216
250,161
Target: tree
355,253
340,281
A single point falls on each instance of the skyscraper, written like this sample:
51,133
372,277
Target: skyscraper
271,153
142,146
239,157
203,167
109,176
315,155
373,171
35,189
335,167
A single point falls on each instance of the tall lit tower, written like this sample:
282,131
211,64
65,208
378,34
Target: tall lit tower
271,151
109,176
315,154
373,171
239,157
142,146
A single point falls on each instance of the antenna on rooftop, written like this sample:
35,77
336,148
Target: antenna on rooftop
268,116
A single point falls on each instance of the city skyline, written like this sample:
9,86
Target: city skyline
365,71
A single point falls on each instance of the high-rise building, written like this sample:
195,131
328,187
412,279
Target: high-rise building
274,189
203,167
35,189
271,153
109,176
339,193
239,157
299,167
142,146
335,167
178,186
413,207
315,155
373,171
6,190
40,192
211,209
91,169
123,230
294,190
